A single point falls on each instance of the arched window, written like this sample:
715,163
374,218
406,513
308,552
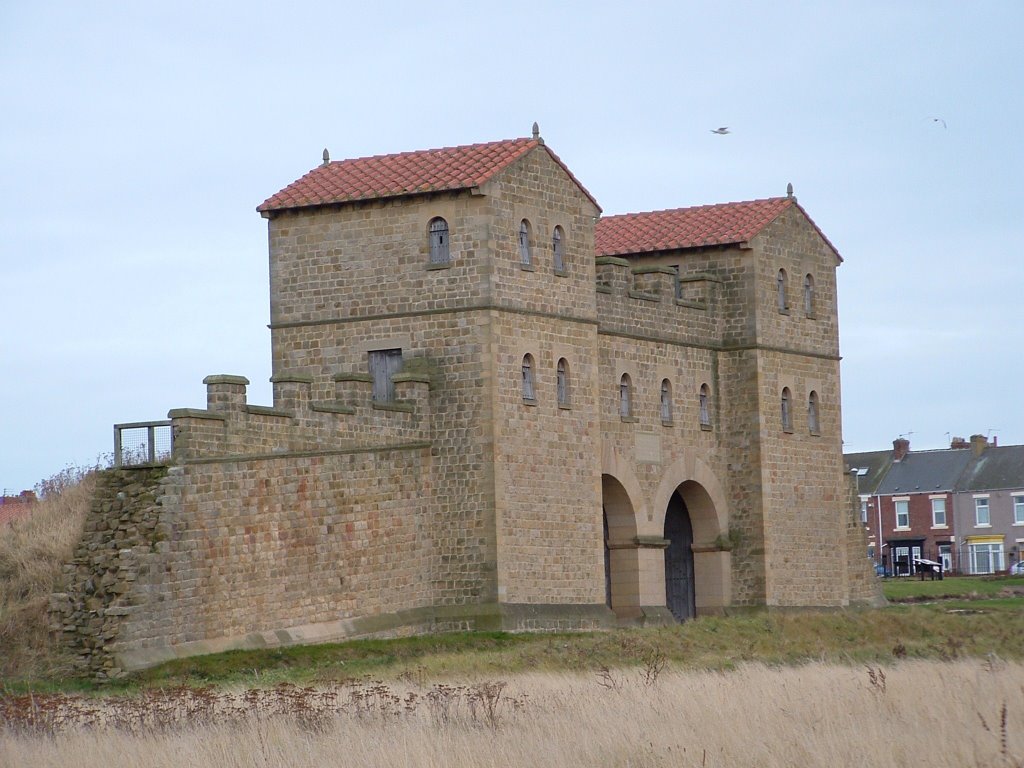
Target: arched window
525,258
625,396
780,284
562,373
808,295
528,389
439,252
787,410
556,247
812,414
705,410
666,401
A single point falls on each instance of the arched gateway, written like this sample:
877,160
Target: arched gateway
668,567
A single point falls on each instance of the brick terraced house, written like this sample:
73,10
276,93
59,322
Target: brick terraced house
961,506
494,408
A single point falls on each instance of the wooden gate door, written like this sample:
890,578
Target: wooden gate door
607,565
679,587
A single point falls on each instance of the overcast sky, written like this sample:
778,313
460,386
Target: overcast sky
138,138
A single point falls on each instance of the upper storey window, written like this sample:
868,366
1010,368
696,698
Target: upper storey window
787,410
529,394
562,373
556,246
625,397
439,250
705,410
813,422
525,257
780,289
809,295
666,401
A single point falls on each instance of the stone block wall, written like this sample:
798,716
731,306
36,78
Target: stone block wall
123,532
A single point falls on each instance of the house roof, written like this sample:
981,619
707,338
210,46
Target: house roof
871,466
997,468
407,173
926,472
703,225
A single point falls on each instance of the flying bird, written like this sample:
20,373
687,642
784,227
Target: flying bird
939,120
721,131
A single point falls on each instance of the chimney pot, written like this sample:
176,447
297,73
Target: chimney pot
900,448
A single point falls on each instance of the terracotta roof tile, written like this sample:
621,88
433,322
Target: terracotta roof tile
721,224
406,173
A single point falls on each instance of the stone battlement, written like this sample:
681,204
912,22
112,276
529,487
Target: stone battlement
655,300
229,427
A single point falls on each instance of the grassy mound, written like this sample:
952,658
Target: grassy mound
33,551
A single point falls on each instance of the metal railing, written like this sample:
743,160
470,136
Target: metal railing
143,442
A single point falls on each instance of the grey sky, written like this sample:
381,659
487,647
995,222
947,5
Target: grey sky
138,138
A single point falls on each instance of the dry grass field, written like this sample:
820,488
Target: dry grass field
32,551
957,714
935,684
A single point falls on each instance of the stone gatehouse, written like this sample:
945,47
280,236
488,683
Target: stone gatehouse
493,408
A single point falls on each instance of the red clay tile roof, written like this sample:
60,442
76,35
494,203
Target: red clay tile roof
407,173
722,224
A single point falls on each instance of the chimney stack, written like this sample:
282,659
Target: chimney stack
958,442
978,444
900,448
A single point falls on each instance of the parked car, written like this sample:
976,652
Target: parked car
1017,569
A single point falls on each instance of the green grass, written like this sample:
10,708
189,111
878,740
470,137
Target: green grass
912,588
939,630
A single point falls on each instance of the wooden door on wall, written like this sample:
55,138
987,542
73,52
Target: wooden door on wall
680,594
607,565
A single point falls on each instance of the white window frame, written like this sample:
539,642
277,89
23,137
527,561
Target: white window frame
977,512
1018,508
905,500
945,517
993,557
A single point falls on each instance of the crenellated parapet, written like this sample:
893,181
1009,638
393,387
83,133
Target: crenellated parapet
230,427
657,300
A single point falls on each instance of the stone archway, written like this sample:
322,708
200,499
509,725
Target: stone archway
622,571
700,495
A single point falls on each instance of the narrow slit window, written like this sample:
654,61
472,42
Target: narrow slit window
625,396
525,257
563,382
666,401
439,249
528,389
780,286
813,423
556,247
808,295
705,410
787,411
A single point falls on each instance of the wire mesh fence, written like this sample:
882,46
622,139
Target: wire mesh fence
142,442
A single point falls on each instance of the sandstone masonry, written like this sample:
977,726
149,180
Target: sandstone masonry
492,409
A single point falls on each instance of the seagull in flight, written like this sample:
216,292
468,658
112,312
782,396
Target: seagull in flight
721,131
939,120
